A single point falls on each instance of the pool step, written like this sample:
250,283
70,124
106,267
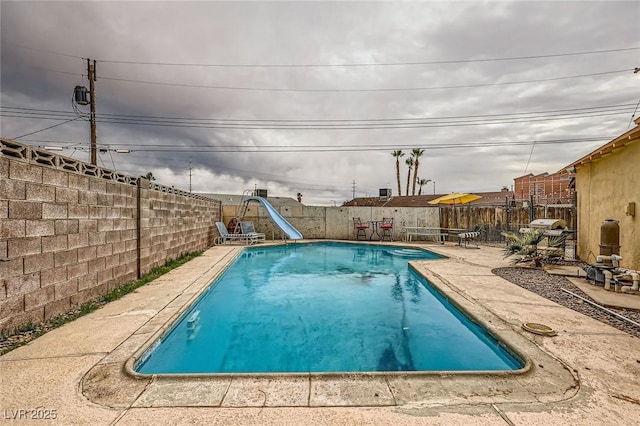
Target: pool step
193,320
407,253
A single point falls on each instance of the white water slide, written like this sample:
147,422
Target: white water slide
282,224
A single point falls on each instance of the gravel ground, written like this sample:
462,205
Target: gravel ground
549,286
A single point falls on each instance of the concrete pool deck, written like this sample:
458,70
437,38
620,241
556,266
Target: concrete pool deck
588,374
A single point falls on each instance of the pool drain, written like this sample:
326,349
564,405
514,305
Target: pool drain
541,329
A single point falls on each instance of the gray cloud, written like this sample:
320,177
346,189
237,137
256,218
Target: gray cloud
39,39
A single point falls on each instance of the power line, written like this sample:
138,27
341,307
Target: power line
331,149
339,124
344,90
633,114
355,126
37,111
339,148
363,64
46,128
533,145
219,170
398,89
38,49
369,64
342,148
56,71
610,108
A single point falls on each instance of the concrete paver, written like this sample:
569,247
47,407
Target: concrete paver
50,384
588,374
409,416
267,392
608,298
179,392
350,390
107,384
84,336
565,270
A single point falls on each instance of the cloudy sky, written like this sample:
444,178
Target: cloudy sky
313,97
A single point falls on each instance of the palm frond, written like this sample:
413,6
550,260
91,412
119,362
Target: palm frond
524,247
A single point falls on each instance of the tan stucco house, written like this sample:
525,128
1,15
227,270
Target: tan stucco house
608,187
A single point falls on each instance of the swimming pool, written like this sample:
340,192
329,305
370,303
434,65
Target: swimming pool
324,307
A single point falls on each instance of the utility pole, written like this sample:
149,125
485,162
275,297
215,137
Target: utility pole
91,69
353,189
189,174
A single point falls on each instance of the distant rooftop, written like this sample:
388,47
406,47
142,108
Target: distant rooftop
488,199
235,199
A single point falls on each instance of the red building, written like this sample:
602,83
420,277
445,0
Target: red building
556,188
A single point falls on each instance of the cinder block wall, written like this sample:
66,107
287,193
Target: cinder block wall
70,231
172,224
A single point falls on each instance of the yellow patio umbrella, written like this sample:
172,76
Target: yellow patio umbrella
455,198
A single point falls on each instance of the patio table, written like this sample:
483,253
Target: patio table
374,228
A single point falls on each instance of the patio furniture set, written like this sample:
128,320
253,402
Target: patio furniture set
383,229
464,237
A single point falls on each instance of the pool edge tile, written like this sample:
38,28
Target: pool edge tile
272,391
360,390
181,392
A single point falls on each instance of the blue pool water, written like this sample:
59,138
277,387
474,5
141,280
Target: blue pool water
324,307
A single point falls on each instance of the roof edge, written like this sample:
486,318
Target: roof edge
630,136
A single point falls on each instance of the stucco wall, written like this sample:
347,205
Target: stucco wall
337,222
333,222
605,187
70,231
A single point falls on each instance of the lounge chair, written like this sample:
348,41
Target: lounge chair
467,237
225,236
248,229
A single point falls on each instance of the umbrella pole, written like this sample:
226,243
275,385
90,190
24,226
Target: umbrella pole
455,215
468,217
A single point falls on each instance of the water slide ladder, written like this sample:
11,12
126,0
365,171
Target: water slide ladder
288,231
241,209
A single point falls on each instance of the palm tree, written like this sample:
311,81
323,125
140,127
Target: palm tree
397,155
416,153
421,183
409,162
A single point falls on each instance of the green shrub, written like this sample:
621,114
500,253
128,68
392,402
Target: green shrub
525,247
30,331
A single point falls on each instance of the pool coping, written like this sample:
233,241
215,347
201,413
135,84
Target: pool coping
114,383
